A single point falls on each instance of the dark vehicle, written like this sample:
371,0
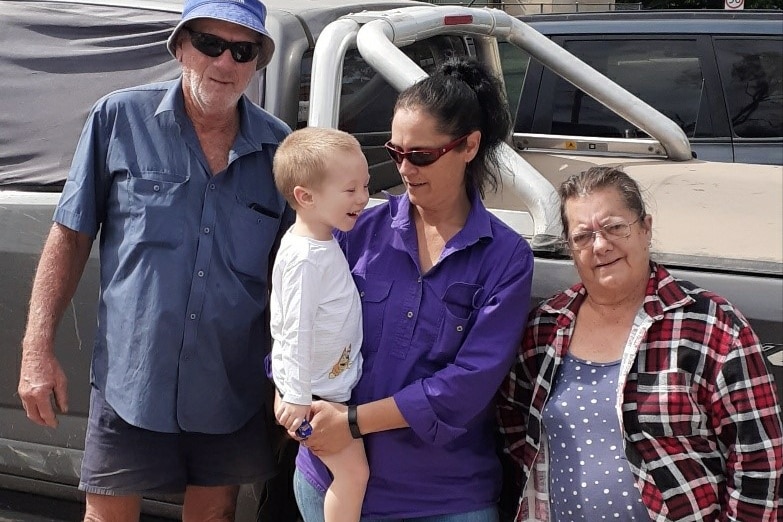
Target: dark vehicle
718,74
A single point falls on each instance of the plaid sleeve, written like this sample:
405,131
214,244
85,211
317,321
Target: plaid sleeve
514,395
749,429
512,408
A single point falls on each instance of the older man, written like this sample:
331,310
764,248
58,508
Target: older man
177,178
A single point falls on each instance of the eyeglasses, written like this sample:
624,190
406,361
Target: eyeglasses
213,46
616,230
421,157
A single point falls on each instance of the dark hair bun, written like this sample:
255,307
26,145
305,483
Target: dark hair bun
496,121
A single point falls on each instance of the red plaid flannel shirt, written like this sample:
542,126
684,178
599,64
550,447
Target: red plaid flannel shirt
700,418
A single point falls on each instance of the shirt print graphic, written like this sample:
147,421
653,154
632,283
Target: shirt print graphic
590,478
343,364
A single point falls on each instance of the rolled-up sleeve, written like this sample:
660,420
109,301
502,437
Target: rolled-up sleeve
441,407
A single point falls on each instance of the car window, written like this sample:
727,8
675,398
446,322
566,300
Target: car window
653,70
366,98
752,72
515,63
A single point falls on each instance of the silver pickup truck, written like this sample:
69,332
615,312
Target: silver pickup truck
719,225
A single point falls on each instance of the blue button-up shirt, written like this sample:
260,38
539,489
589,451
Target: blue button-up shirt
440,343
184,259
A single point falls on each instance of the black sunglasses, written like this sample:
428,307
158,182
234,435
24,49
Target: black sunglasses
421,157
213,46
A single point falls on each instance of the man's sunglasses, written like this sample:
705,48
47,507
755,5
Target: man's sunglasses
421,157
213,46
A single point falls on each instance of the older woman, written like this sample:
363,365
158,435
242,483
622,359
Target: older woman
637,396
441,281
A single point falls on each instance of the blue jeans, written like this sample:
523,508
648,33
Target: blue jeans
311,507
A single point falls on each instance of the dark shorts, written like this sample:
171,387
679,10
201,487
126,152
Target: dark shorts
120,459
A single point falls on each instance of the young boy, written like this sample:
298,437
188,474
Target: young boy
316,311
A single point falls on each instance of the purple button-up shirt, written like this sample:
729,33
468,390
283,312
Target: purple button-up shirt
440,343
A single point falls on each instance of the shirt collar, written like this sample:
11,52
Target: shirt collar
663,293
477,227
250,125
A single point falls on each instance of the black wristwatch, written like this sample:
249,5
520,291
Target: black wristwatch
352,424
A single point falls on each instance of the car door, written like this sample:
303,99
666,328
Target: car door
751,70
670,73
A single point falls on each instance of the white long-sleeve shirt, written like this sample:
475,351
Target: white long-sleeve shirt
316,322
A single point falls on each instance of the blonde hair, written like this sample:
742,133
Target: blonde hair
303,156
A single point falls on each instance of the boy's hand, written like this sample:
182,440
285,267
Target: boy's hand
290,416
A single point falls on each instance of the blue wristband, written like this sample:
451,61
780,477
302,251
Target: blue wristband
305,430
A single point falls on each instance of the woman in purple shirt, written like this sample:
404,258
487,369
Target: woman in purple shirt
443,283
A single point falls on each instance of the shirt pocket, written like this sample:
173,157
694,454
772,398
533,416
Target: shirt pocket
460,302
252,234
375,296
667,405
157,202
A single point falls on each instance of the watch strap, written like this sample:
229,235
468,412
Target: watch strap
353,425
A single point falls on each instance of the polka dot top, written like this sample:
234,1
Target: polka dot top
589,477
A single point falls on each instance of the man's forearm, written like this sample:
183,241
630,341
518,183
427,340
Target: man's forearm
61,265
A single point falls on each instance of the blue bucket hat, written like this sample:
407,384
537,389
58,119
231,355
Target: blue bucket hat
247,13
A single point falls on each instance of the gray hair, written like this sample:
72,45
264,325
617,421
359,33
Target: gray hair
600,178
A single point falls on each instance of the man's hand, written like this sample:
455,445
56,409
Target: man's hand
42,382
290,416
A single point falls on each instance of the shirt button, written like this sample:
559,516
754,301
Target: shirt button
206,230
156,188
192,316
361,294
459,328
201,273
212,186
409,314
418,280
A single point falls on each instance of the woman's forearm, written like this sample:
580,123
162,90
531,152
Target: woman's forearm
381,415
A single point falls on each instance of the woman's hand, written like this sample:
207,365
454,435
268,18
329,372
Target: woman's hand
330,428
